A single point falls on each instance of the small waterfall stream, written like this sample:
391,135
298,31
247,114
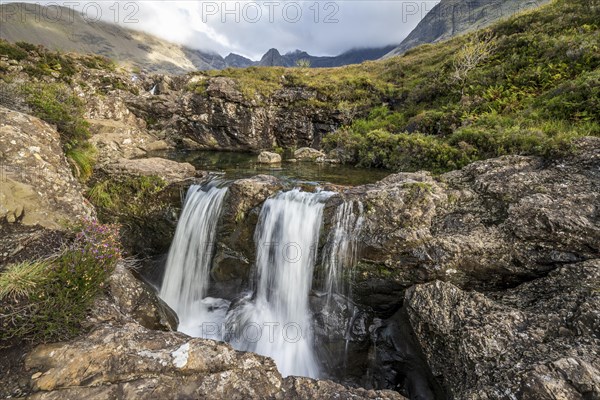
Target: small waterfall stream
286,239
273,317
186,276
341,250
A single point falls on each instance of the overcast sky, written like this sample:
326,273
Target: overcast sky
250,28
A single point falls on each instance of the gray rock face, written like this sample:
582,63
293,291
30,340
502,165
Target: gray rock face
537,341
223,118
39,195
493,224
139,302
37,186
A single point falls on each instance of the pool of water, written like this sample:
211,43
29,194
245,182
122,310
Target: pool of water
244,165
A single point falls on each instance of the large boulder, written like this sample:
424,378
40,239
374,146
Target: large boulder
537,341
37,186
132,362
308,154
267,157
493,224
170,171
137,301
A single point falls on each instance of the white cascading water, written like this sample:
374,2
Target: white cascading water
186,278
276,322
341,250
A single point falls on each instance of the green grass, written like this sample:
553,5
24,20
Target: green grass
22,280
83,157
48,300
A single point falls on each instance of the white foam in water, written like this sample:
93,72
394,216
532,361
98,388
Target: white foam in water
188,266
275,319
277,322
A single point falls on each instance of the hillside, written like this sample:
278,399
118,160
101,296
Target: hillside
534,87
125,46
71,33
450,18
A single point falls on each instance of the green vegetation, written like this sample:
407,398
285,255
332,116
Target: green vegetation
138,205
48,300
12,52
535,89
125,196
56,104
49,96
527,85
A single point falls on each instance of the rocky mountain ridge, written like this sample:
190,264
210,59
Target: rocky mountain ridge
451,18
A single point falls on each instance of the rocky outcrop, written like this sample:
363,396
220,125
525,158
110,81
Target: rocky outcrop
537,341
491,225
135,301
39,196
37,186
170,171
131,362
116,139
235,247
215,114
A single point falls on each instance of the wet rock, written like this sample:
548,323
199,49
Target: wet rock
512,344
308,154
140,302
269,158
171,171
305,388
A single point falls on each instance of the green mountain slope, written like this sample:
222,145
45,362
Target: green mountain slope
450,18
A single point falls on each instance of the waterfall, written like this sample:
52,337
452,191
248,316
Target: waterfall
153,90
276,321
186,276
342,245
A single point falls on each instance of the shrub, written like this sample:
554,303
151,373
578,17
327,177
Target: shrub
48,300
56,104
12,52
141,207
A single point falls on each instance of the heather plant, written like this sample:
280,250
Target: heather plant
48,300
